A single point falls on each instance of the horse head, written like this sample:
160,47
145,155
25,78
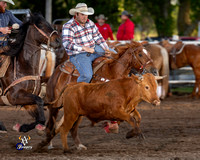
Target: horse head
176,49
43,31
168,46
141,60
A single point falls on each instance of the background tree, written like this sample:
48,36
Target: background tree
188,16
148,15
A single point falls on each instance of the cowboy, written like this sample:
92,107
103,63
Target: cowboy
84,43
6,19
126,29
81,36
104,28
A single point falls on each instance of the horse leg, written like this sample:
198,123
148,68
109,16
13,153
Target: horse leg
194,90
53,113
37,112
198,88
74,133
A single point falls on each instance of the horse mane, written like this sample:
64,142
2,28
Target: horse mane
16,46
123,48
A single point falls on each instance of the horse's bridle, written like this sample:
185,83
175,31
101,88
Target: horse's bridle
45,35
142,66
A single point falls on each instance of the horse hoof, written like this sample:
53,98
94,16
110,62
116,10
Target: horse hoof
40,133
40,129
50,147
41,145
67,151
16,127
111,127
81,147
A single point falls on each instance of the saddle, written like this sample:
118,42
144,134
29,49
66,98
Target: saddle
69,68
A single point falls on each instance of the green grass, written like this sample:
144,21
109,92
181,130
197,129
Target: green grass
182,90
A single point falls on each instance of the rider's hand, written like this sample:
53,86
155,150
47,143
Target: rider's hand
5,30
87,49
108,52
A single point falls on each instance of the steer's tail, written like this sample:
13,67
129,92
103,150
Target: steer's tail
62,91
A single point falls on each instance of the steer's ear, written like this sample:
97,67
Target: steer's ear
138,79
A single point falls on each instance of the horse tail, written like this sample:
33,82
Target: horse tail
164,71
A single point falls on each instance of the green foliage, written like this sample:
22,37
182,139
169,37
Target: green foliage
161,12
148,15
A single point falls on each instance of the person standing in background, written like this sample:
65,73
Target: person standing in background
126,29
104,28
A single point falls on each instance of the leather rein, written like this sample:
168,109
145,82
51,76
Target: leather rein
45,35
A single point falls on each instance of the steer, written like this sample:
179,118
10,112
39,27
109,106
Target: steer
114,100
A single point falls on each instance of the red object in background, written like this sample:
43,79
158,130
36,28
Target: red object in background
105,31
126,30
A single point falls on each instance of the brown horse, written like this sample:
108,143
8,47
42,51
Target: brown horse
168,46
160,58
21,83
161,62
187,54
129,56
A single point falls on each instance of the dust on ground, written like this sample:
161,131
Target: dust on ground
172,132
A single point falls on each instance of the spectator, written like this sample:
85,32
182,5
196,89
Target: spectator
126,29
104,28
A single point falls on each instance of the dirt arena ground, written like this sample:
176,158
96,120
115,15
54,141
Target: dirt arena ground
172,132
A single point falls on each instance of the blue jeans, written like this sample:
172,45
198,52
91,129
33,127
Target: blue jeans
3,43
83,63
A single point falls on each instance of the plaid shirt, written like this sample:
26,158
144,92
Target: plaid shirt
75,36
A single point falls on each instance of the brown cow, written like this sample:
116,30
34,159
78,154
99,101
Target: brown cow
113,100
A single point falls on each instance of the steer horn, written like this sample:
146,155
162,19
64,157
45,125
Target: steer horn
160,77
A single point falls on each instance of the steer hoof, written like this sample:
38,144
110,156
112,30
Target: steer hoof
133,133
141,136
81,147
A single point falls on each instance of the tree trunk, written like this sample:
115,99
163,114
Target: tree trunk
48,10
184,21
161,14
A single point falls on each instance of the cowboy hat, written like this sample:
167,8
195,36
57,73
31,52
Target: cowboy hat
8,1
101,16
81,8
126,14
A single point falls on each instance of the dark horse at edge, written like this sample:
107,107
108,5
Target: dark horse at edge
23,71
